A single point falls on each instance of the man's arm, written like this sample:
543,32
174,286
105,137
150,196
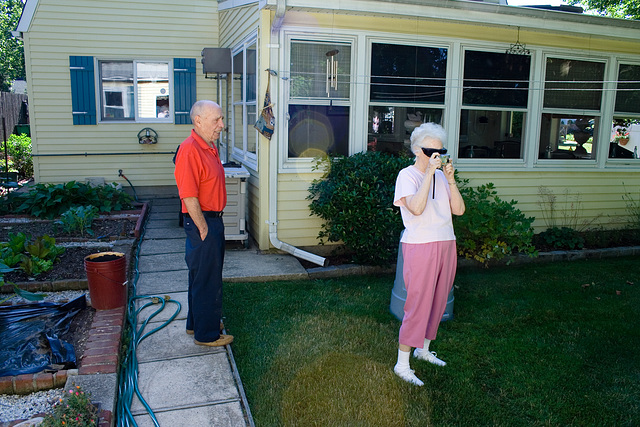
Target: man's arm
195,212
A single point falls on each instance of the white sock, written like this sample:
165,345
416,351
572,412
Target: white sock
424,349
403,359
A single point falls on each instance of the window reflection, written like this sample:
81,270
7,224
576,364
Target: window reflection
566,136
390,128
491,134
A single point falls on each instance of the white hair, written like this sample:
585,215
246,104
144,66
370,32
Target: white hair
200,107
427,131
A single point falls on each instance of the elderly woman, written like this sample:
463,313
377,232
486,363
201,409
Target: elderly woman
427,196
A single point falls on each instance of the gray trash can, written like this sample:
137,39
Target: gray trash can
399,293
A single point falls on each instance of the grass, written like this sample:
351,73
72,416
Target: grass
546,344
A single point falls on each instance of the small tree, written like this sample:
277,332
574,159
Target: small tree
11,49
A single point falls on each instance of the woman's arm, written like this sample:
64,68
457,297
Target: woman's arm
457,202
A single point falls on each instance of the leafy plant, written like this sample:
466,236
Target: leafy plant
355,200
33,256
491,228
19,151
74,410
561,238
79,220
52,200
29,296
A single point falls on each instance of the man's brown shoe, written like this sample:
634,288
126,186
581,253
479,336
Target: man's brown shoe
223,340
190,331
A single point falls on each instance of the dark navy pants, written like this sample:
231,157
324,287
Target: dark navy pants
204,260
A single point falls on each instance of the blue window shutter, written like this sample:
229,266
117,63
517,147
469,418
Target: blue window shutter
83,92
184,83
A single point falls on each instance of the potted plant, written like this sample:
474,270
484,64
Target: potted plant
622,136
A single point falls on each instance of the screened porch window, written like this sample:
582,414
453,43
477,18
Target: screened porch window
495,97
571,87
320,98
625,132
407,89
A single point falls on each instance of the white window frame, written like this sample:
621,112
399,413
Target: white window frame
612,163
243,155
137,118
306,164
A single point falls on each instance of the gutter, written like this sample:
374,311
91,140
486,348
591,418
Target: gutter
273,168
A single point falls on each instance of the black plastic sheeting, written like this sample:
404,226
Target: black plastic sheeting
30,337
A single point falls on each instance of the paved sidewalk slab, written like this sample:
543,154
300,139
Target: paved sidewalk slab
220,414
246,265
162,246
184,382
168,201
165,214
162,223
164,233
161,262
163,282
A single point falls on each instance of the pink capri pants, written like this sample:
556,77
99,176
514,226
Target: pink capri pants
428,271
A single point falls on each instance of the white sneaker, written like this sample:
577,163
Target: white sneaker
428,356
408,375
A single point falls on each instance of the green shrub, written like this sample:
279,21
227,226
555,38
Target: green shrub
491,228
78,219
560,238
19,151
52,200
355,200
33,256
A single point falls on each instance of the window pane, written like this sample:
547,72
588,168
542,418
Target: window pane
153,90
408,73
491,134
320,70
251,73
496,79
390,127
573,84
625,138
238,127
628,93
252,134
116,79
316,130
565,136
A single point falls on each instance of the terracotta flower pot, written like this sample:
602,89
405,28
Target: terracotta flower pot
623,141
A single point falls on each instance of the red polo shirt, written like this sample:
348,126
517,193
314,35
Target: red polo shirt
199,173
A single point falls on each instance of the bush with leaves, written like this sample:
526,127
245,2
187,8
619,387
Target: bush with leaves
19,151
491,228
52,200
355,200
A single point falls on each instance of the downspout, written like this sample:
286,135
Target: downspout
273,163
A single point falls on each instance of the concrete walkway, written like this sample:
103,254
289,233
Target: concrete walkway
183,383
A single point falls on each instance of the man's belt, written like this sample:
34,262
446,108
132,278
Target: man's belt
208,214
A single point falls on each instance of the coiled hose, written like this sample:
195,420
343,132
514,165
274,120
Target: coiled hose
134,335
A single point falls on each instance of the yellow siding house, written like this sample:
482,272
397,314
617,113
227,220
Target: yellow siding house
530,97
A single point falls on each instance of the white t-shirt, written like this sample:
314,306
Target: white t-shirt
435,223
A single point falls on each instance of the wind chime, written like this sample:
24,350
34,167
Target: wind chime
332,71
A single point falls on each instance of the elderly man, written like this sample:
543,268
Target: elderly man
200,178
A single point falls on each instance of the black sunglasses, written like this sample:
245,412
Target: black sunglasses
429,151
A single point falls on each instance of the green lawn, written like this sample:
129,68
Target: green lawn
547,344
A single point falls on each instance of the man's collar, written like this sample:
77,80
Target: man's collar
202,142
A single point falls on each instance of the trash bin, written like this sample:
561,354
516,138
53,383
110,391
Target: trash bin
107,276
399,293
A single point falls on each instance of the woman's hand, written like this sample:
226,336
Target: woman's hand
434,163
449,173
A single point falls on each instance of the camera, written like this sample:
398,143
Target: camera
445,158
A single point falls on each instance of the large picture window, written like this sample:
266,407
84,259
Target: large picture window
320,98
135,90
495,97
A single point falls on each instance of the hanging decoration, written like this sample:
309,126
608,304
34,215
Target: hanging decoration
332,71
517,48
266,121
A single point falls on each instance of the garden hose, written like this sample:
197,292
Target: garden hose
135,196
134,335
